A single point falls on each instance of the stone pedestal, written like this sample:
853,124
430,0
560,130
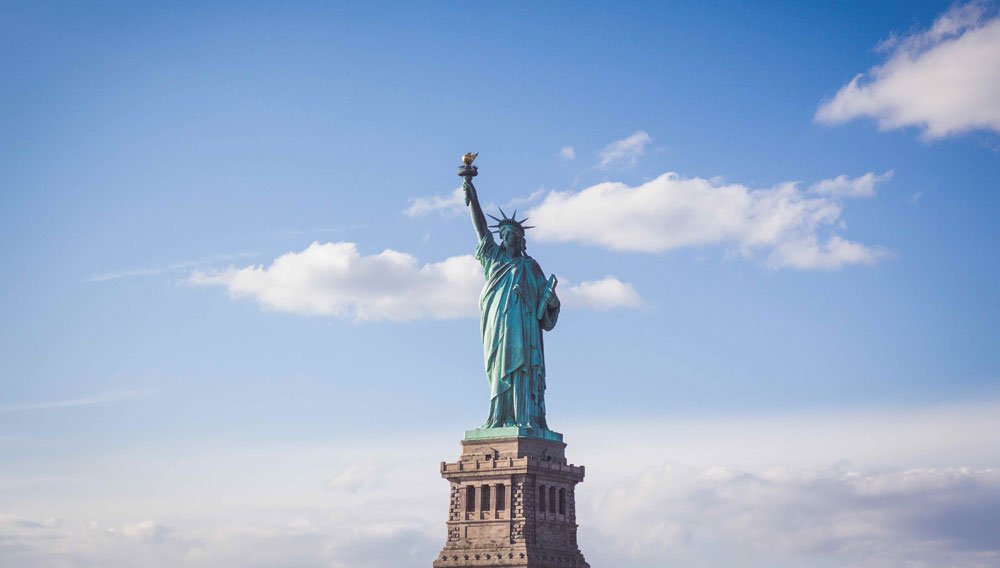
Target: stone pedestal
512,504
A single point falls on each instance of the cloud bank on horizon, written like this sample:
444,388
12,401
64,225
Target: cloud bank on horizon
672,513
650,503
944,81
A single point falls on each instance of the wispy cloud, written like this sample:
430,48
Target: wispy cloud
101,398
604,294
672,212
843,186
174,267
519,201
454,204
567,153
451,204
944,80
334,279
625,152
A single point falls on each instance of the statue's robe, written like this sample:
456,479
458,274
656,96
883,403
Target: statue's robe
512,335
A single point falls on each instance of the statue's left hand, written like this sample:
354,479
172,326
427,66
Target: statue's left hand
551,300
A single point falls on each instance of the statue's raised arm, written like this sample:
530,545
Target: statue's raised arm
472,200
468,171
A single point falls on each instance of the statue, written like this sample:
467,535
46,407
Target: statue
517,303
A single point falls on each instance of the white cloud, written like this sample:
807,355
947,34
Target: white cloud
334,279
842,186
567,153
452,204
625,152
671,212
945,80
603,294
808,252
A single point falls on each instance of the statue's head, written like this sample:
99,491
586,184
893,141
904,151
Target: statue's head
511,231
512,239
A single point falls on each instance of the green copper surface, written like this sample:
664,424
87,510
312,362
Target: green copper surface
517,303
512,432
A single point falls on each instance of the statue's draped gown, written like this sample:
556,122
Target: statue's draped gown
512,336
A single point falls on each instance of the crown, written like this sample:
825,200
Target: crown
509,222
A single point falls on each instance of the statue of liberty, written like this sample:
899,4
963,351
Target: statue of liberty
516,304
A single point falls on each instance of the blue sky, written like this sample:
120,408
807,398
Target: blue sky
195,202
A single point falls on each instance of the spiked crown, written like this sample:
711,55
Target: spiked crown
509,222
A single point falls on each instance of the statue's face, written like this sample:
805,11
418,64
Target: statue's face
511,240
